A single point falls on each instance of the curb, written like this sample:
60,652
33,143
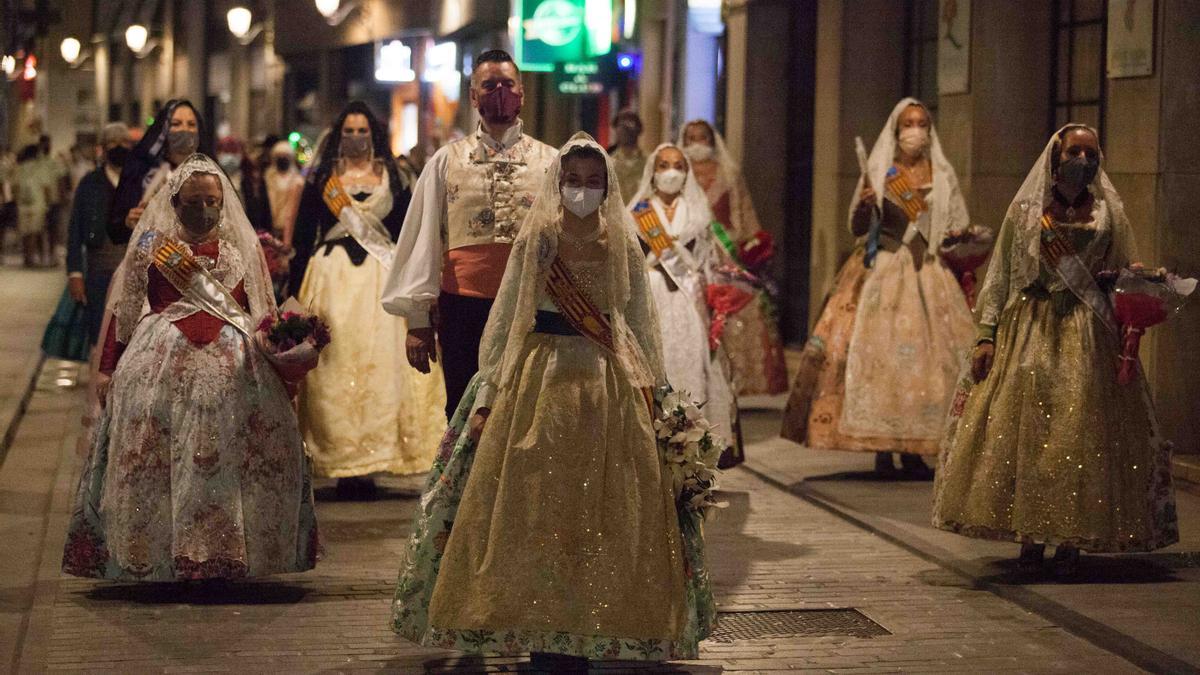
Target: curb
1100,635
10,416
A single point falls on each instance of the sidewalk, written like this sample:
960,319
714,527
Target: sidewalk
1145,607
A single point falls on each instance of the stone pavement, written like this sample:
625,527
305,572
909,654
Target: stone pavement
770,549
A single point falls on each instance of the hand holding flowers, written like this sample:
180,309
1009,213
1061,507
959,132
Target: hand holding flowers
689,450
292,341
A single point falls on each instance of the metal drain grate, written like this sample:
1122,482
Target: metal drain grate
734,626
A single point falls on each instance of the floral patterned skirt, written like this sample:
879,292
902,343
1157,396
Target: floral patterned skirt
1049,446
813,416
197,469
755,348
572,544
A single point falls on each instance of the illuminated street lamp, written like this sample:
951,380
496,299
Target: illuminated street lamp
136,37
239,19
335,11
8,64
241,24
71,49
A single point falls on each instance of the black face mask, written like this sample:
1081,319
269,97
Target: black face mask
116,156
1079,172
182,142
199,219
282,164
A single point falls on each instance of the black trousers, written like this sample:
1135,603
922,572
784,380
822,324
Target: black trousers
460,326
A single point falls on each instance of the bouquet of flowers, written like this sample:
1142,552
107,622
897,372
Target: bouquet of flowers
292,341
964,250
689,449
1142,298
731,288
757,251
278,256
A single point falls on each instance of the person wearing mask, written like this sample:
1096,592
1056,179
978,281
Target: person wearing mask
176,133
682,265
468,206
363,411
1045,446
551,525
91,257
627,155
284,185
197,467
889,344
752,334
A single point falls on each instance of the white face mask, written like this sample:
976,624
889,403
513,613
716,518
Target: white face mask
670,181
699,152
582,201
914,140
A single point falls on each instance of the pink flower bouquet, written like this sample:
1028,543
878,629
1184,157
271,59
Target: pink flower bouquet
964,251
1142,298
292,341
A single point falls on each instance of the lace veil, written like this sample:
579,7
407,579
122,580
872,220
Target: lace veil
729,168
634,321
241,258
947,210
1017,261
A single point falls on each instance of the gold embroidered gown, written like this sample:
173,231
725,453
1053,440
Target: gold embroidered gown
1050,446
568,521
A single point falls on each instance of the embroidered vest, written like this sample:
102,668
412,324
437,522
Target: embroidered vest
488,192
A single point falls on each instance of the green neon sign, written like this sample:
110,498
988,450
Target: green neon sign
549,32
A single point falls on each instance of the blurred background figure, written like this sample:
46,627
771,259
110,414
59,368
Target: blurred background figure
283,187
8,200
627,155
33,200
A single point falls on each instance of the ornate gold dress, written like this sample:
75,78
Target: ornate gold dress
575,523
1050,446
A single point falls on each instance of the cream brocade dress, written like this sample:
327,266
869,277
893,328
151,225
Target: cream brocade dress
1050,446
569,520
364,410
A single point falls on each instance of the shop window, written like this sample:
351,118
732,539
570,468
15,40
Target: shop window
1077,75
921,33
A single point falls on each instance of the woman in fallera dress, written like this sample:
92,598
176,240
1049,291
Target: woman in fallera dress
1045,446
879,370
752,336
670,197
566,539
197,470
364,411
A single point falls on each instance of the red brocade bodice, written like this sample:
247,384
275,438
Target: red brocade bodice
199,328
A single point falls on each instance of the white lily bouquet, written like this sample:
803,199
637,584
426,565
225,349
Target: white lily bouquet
690,450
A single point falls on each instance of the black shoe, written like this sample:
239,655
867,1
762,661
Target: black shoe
914,467
356,489
1066,562
544,662
884,469
1031,558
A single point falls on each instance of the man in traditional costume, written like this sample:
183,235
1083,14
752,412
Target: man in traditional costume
466,210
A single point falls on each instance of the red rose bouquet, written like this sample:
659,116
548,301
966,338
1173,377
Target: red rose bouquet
292,341
757,251
965,250
278,256
730,290
1142,298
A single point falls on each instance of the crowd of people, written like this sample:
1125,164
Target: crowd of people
520,321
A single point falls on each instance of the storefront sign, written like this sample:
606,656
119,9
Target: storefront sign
549,32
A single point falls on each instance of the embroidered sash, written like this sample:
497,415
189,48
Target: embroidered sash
583,315
1059,255
196,284
371,236
651,228
908,198
577,308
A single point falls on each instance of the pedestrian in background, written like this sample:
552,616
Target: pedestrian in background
33,200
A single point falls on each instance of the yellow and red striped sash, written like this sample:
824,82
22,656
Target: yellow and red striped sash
909,199
175,262
335,196
577,308
1054,245
650,228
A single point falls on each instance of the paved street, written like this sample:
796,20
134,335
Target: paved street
803,531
